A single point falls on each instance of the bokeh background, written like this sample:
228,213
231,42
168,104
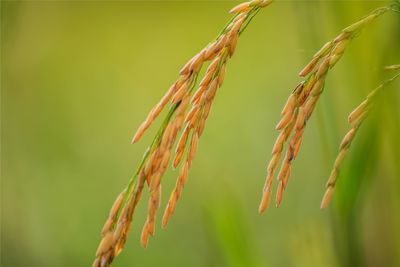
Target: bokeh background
78,77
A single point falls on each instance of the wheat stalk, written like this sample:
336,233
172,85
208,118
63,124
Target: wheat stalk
356,118
301,103
181,97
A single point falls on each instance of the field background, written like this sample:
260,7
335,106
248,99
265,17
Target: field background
77,78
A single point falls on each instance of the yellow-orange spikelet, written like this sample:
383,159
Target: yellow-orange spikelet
180,183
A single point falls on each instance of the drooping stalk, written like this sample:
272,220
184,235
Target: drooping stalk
180,96
302,102
356,118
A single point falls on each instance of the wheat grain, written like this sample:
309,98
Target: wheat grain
303,101
356,117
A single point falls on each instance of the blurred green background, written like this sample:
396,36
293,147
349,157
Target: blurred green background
77,78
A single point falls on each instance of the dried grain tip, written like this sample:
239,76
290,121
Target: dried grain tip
279,192
233,43
357,121
212,90
193,147
297,145
197,61
206,80
285,178
117,204
192,113
278,146
264,200
181,110
317,88
327,197
236,26
119,230
284,121
290,104
165,218
169,209
221,76
166,136
181,146
339,158
180,183
153,114
151,228
334,59
324,50
180,93
213,65
105,244
164,100
300,121
340,46
305,89
186,68
348,138
184,174
284,168
178,157
144,238
199,93
240,8
209,51
272,165
310,66
221,43
107,226
322,68
358,111
309,107
148,168
165,160
343,35
140,131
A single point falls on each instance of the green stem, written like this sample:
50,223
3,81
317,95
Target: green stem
249,18
226,26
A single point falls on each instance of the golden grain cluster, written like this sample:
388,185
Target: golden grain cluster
301,103
189,106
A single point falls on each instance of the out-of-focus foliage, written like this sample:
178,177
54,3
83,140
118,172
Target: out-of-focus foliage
77,78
